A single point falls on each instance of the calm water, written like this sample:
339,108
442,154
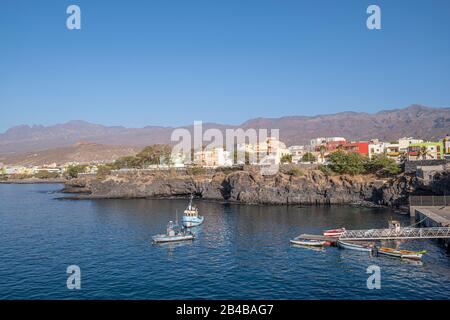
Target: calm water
242,252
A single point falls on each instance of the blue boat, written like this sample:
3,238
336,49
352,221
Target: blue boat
191,218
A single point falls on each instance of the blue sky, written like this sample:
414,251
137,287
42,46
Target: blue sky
168,62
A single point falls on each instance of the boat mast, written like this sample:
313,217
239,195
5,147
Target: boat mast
190,202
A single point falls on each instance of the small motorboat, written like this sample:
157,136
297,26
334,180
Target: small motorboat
307,242
356,245
334,232
174,234
403,254
191,218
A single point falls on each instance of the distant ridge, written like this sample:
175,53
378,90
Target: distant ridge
415,120
80,152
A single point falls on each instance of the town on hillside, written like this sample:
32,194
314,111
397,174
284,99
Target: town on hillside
269,152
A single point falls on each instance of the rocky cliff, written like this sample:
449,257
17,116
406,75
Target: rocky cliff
313,187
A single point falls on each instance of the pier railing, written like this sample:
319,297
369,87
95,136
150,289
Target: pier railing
392,234
429,201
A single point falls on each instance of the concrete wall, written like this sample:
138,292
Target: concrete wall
430,220
411,166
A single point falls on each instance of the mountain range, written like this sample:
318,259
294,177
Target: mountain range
80,152
415,120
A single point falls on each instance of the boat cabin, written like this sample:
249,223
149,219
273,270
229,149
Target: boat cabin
395,224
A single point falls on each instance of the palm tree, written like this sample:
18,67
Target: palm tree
322,150
423,152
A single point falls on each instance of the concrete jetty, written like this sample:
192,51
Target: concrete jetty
431,211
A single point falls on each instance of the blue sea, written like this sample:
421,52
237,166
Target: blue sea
241,252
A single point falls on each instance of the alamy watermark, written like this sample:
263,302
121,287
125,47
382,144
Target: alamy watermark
73,22
373,22
242,146
74,279
374,280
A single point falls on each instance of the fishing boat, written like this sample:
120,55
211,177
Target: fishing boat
191,218
334,232
307,242
403,254
174,234
356,245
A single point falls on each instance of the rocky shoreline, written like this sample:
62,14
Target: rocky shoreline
34,181
313,187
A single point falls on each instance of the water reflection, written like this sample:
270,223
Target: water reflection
240,252
317,249
172,246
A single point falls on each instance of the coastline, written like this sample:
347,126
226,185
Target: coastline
248,187
34,181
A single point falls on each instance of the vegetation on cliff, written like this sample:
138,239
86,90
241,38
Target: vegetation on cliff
341,162
151,155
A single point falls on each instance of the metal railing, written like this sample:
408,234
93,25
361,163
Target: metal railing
392,234
429,201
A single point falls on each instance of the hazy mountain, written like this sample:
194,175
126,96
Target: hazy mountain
79,152
416,120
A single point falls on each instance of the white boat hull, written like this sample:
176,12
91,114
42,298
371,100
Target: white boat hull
166,238
189,222
411,256
308,243
352,246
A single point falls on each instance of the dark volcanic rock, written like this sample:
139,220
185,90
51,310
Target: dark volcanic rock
249,187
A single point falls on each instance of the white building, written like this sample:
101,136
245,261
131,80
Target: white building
178,160
403,143
323,140
376,149
216,157
17,170
271,146
297,153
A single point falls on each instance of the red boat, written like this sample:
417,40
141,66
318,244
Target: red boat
334,232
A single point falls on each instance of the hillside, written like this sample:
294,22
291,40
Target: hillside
79,152
415,120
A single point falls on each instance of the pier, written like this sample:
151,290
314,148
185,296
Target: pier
431,211
386,234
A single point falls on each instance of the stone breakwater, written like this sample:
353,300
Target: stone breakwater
250,187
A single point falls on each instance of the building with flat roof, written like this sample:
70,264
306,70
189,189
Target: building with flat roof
426,151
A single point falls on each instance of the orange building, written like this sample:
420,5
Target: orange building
361,147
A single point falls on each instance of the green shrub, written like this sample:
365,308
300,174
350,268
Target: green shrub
308,157
73,170
351,163
104,170
382,164
296,172
44,174
286,158
20,176
326,170
196,171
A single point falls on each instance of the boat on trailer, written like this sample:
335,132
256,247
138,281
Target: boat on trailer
174,234
307,242
334,232
403,254
356,245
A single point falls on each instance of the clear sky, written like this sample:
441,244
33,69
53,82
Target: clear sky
167,62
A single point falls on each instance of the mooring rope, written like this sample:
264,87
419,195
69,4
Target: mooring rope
417,222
